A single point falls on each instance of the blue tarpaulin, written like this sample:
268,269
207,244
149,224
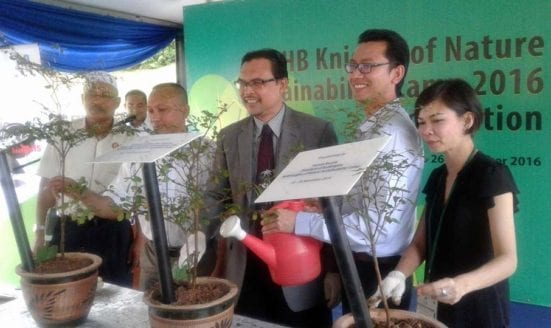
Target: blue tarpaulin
75,41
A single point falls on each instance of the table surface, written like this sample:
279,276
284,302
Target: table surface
114,306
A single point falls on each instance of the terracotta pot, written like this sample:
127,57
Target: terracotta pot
218,313
60,298
379,315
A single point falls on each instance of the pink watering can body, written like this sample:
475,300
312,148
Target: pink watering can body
291,259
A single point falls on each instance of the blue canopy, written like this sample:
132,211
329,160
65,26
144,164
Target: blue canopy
75,41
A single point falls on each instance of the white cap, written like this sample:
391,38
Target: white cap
99,76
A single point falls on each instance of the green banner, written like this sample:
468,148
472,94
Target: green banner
498,46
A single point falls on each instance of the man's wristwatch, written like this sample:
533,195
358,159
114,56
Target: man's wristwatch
39,227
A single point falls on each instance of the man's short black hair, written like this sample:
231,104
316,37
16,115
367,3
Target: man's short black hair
397,50
279,63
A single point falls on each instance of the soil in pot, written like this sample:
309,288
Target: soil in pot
185,295
398,319
62,264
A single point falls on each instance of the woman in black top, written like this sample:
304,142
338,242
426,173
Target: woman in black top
466,233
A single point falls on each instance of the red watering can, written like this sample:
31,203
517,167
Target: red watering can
292,260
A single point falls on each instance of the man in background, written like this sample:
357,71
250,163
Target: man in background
135,103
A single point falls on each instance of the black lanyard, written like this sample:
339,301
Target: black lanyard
432,244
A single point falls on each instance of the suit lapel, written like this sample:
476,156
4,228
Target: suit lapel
245,150
289,140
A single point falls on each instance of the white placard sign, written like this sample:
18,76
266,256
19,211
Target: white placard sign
147,148
329,171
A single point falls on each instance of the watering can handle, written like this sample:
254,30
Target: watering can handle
293,205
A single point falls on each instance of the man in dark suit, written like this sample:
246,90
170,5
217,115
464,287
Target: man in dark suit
262,83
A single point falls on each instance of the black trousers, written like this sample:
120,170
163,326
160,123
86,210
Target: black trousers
368,278
263,299
109,239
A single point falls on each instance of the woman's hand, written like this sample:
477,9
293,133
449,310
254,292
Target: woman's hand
446,290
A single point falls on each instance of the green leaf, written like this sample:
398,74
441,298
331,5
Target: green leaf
180,273
46,253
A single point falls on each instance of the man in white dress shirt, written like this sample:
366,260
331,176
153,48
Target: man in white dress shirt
376,73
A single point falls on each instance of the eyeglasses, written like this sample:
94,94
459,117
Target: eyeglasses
253,84
364,68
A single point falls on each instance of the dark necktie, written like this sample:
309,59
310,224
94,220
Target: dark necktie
265,158
264,174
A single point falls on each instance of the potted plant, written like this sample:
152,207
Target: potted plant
58,287
192,301
61,287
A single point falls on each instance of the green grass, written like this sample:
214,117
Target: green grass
10,254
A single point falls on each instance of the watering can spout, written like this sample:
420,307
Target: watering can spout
231,227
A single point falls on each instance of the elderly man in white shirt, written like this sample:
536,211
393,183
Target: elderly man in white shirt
110,240
173,191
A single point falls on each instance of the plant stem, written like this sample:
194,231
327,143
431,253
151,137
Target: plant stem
380,281
63,220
